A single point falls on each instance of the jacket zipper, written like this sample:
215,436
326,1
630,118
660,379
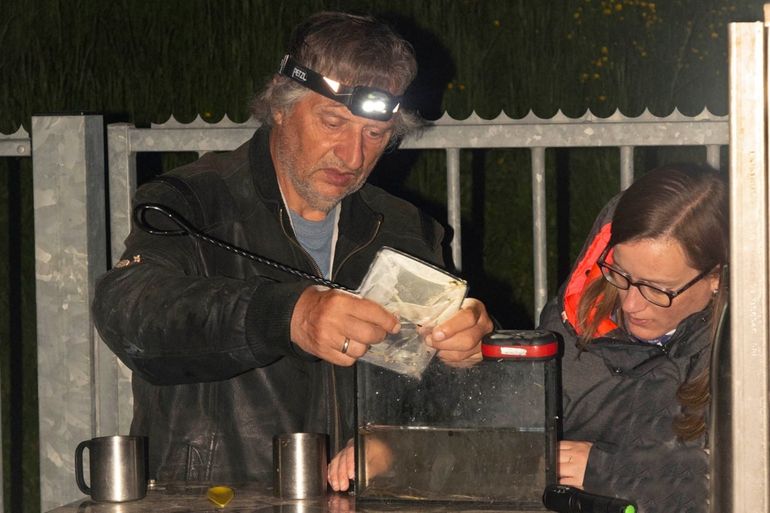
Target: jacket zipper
293,241
359,248
337,444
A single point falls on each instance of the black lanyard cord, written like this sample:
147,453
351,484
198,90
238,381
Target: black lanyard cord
185,228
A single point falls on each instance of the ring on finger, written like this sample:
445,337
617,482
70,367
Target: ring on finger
345,345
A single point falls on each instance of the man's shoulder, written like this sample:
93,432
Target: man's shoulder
209,188
214,165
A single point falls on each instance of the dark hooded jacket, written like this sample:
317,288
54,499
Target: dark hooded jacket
620,394
206,332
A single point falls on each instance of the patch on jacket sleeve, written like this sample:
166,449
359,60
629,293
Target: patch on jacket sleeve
136,259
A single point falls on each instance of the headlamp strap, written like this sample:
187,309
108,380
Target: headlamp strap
305,76
387,104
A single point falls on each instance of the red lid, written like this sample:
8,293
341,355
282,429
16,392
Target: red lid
520,345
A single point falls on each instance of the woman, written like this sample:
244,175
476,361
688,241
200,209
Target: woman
638,315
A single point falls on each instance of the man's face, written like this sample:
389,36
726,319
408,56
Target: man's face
323,152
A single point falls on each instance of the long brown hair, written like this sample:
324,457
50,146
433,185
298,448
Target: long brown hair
688,203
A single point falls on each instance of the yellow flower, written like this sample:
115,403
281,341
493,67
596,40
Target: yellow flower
496,23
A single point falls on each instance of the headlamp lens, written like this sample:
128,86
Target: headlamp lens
372,103
367,102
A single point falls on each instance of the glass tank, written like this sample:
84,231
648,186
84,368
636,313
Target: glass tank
481,433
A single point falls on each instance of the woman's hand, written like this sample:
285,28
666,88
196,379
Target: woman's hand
342,468
573,460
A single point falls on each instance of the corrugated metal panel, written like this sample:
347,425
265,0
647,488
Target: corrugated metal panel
70,242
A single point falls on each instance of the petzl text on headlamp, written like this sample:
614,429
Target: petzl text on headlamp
367,102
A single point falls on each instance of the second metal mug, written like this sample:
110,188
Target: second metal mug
299,463
118,468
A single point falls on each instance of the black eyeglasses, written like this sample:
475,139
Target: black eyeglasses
651,293
367,102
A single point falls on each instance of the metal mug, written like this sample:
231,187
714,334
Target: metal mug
299,463
118,468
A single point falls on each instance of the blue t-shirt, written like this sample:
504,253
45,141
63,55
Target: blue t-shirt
317,238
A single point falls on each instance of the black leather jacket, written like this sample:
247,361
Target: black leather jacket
620,394
206,332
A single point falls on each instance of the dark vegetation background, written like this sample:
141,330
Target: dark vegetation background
143,61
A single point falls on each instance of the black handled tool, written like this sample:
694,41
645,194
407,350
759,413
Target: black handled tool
184,227
567,499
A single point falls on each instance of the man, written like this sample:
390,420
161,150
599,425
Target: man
226,352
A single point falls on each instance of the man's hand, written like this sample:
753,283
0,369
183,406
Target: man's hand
458,339
573,460
338,326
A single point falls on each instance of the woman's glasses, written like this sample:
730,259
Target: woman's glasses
651,293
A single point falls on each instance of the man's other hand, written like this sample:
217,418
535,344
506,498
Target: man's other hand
458,340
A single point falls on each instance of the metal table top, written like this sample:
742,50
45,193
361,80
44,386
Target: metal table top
257,498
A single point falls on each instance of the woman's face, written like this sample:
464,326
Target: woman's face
662,263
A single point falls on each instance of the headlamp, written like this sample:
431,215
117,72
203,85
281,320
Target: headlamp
367,102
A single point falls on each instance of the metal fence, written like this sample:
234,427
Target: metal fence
743,483
85,392
16,144
93,397
447,134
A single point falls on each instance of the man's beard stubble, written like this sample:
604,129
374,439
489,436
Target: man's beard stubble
304,186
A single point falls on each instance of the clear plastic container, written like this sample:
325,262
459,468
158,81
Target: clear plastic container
485,433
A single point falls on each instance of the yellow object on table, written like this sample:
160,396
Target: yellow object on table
220,495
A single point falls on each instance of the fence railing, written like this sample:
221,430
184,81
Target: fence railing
16,144
94,397
448,134
741,465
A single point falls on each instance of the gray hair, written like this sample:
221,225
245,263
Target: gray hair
354,50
